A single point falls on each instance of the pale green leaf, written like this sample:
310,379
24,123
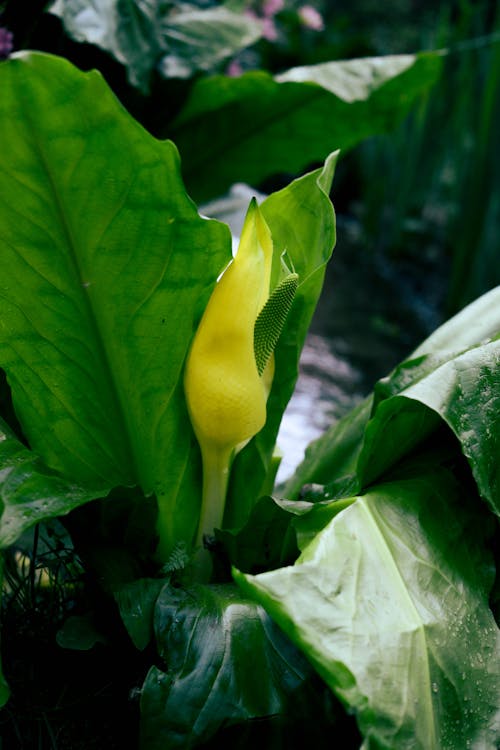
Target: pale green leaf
390,604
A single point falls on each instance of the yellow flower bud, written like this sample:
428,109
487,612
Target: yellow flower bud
230,366
226,396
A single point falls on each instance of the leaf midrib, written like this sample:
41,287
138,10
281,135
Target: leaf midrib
119,408
377,536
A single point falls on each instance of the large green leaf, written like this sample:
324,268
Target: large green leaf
226,663
248,128
390,604
465,392
449,379
302,222
29,492
106,266
148,34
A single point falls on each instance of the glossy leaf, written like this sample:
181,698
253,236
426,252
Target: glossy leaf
302,222
29,492
390,604
451,378
226,663
107,267
249,128
464,392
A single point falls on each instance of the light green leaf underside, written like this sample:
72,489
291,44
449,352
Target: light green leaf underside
390,603
145,35
106,266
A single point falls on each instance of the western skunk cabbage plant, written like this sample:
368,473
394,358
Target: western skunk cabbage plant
148,390
230,367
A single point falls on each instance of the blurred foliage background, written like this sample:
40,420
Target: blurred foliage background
427,193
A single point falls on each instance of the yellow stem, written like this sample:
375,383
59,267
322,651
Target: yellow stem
216,464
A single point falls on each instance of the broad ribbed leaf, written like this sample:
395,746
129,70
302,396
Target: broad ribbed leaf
390,604
106,265
248,128
226,663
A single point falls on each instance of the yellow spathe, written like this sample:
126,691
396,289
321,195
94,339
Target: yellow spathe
226,396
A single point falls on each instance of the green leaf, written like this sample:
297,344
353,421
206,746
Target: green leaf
145,35
226,663
4,688
302,222
265,542
79,633
249,128
334,455
390,604
199,40
464,392
107,266
136,601
438,383
30,492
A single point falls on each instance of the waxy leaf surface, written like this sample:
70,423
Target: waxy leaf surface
452,378
226,663
106,267
390,604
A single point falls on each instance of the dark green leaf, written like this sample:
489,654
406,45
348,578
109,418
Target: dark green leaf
109,265
226,663
249,128
79,633
390,604
265,542
4,688
29,492
136,602
333,455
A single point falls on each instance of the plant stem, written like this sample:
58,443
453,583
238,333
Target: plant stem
216,463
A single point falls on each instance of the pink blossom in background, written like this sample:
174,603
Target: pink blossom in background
269,30
6,43
234,69
311,18
271,7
